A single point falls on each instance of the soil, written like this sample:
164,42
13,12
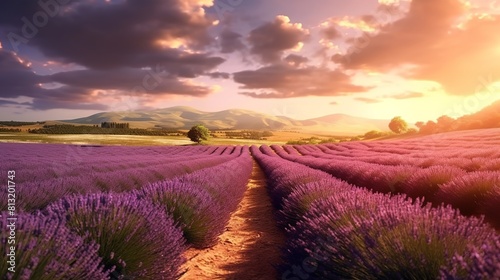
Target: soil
250,246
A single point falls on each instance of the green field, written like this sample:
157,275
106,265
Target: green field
132,140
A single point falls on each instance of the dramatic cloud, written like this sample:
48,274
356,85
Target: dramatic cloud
8,103
368,100
154,81
231,41
67,97
16,78
269,41
218,75
144,48
286,81
296,60
366,23
82,89
329,30
439,40
114,34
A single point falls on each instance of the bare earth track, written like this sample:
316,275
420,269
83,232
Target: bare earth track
250,246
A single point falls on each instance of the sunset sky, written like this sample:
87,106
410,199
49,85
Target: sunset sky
417,59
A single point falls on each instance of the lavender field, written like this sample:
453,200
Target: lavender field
243,140
422,208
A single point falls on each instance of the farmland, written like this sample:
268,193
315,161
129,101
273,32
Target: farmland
419,208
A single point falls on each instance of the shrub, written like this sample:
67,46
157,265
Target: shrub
426,182
46,249
135,237
284,181
389,179
478,262
365,237
470,193
298,203
226,183
192,208
492,208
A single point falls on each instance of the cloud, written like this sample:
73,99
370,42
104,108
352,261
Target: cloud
16,77
9,103
218,75
296,60
286,81
144,48
407,95
231,41
153,81
83,89
366,23
367,100
133,33
269,41
440,40
67,97
329,30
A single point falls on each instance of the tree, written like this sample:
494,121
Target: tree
373,134
419,124
445,123
398,125
198,133
429,128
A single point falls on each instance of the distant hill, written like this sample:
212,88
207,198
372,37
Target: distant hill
488,117
182,117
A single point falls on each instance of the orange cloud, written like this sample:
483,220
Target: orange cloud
269,41
295,80
428,39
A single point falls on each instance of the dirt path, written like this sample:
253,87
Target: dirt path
249,248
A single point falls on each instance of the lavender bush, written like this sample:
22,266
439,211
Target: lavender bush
481,262
299,202
46,249
366,237
192,208
471,192
352,233
425,183
137,239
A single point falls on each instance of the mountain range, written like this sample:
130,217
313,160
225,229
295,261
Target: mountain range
181,117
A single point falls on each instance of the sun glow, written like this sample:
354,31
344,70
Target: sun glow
174,43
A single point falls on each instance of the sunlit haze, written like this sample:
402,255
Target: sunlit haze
417,59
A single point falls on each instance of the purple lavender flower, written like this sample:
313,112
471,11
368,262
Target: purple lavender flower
135,237
46,249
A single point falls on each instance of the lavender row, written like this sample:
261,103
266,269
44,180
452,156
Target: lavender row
20,155
97,167
469,150
473,193
137,240
37,163
338,231
467,159
95,236
140,234
35,194
202,201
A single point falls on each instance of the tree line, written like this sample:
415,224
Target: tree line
115,125
95,129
